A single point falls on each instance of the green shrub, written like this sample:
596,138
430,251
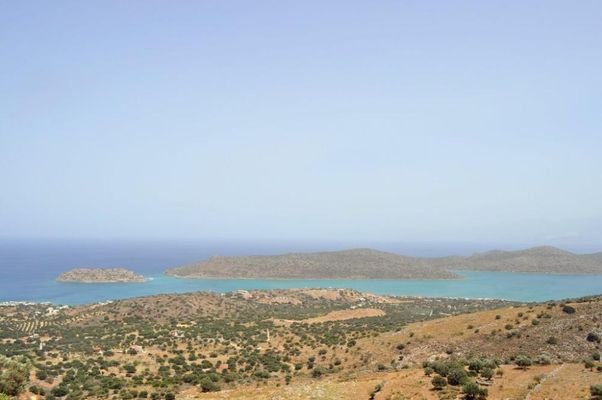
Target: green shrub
568,309
596,391
523,362
472,391
14,375
317,372
457,376
593,337
60,391
207,385
487,373
438,382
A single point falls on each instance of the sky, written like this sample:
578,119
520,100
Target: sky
421,121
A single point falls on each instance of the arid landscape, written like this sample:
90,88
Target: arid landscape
300,200
305,344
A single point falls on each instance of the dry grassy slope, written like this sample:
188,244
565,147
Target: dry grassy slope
410,383
471,334
462,335
429,339
548,382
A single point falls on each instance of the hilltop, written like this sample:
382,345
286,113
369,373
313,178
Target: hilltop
346,264
543,259
374,264
100,275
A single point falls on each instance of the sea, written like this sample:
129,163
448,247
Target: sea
28,271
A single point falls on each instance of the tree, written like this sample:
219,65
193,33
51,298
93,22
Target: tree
14,375
41,375
60,391
523,362
129,368
438,382
207,385
457,376
472,391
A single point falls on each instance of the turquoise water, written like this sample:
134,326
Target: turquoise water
28,270
501,285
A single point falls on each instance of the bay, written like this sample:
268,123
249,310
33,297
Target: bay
28,271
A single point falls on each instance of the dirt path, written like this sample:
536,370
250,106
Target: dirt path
340,315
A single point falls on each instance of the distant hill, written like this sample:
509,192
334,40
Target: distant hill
374,264
536,259
347,264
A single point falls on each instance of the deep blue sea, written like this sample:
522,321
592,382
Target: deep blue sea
28,270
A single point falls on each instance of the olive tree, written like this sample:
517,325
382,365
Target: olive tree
14,375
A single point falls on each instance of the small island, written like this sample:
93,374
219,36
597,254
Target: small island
100,275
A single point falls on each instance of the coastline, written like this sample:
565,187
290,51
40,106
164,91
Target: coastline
524,287
100,282
309,279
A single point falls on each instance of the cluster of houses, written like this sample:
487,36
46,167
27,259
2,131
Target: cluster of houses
54,310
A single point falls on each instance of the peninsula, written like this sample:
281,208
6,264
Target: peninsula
541,260
374,264
346,264
100,275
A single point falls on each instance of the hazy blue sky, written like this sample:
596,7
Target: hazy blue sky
354,120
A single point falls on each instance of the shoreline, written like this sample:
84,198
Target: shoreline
12,303
507,286
309,279
99,282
